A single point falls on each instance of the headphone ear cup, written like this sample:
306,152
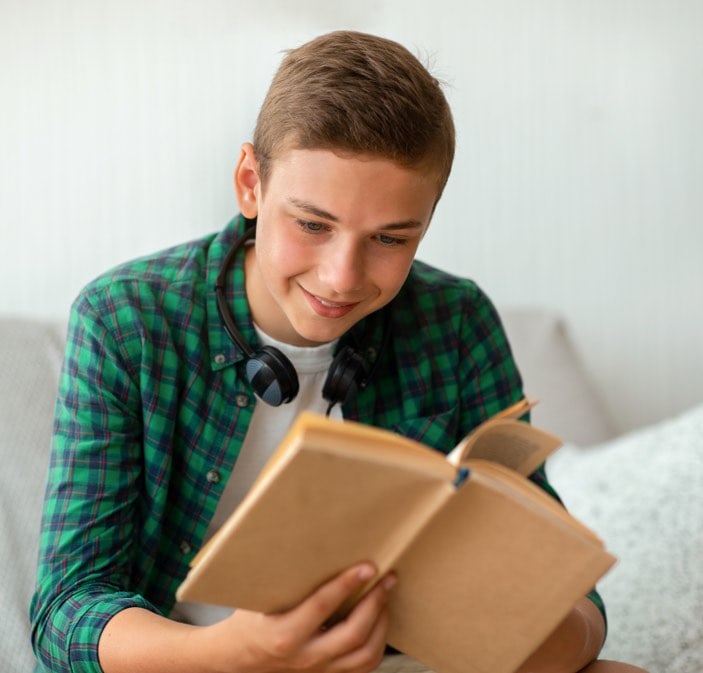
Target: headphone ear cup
346,375
272,376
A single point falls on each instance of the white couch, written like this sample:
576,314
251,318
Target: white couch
643,493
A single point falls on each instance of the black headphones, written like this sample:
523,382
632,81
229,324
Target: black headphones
272,374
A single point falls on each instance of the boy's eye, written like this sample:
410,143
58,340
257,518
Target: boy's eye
384,239
311,227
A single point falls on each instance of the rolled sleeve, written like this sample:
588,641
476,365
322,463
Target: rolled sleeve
66,638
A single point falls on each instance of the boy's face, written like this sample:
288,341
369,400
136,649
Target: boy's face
336,236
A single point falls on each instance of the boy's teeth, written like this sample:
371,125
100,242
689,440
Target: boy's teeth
328,303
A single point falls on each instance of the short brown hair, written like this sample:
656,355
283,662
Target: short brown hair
358,93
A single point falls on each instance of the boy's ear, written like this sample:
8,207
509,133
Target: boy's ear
246,182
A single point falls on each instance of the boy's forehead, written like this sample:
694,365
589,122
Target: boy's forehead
294,154
340,185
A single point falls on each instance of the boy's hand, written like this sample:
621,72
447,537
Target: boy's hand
295,640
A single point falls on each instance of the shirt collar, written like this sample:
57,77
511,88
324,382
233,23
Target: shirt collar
223,352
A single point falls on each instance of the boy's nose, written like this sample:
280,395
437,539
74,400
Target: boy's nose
342,268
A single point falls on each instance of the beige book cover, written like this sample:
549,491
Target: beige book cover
487,563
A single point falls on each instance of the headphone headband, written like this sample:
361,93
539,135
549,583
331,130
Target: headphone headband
222,306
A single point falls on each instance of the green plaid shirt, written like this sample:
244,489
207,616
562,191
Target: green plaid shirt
153,408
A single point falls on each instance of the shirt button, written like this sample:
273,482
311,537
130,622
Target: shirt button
220,359
213,476
185,547
242,400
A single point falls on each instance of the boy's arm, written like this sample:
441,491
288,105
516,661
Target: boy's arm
573,644
88,527
246,642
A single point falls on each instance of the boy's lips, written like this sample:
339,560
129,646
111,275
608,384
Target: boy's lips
327,308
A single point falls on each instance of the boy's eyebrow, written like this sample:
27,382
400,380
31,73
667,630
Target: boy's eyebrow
312,209
319,212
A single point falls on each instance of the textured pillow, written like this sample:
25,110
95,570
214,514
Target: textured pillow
30,356
643,494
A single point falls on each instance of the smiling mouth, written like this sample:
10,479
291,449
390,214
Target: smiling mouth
326,308
331,304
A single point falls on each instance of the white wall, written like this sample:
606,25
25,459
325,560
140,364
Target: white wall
578,183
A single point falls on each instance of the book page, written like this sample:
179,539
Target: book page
517,445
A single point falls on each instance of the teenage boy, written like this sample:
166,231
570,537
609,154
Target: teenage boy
158,430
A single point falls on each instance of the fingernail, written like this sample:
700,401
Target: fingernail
365,572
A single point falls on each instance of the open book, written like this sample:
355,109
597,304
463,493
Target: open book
488,564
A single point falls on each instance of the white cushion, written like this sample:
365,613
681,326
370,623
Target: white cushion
643,494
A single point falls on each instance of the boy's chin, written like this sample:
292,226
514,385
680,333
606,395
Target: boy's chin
317,335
